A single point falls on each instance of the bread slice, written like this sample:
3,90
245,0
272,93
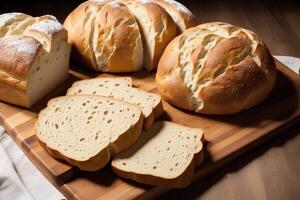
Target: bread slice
107,82
165,155
117,88
87,130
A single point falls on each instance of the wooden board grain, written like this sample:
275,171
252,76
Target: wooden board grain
226,136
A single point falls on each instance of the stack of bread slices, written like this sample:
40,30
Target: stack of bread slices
105,119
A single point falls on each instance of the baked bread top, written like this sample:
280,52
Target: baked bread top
124,35
17,55
216,68
18,46
105,36
34,57
182,16
156,26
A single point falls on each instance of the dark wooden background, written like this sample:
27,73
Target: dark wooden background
271,171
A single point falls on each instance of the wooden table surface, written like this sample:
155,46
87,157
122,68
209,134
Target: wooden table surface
271,171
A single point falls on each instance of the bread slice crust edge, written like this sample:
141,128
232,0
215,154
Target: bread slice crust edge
98,161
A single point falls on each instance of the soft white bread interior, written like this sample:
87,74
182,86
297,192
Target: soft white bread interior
87,130
182,16
119,88
165,155
156,26
107,82
216,68
34,57
105,36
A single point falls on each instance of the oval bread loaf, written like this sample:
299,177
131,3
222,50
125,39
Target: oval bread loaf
105,37
216,68
87,130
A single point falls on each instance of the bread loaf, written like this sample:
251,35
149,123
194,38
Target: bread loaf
183,18
156,26
120,88
34,57
87,130
216,68
123,35
165,155
105,36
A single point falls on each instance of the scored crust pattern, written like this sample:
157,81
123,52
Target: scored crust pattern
206,56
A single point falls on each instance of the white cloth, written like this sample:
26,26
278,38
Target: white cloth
21,180
292,62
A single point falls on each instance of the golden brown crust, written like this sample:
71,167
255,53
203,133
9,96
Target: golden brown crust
183,18
17,55
161,23
158,110
19,51
179,182
219,95
15,62
74,25
105,36
9,93
168,78
125,36
93,164
166,36
229,69
46,26
9,20
148,121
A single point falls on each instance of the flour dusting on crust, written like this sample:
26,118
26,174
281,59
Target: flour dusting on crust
179,6
21,44
48,27
7,16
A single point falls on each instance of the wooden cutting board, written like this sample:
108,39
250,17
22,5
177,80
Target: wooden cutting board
226,136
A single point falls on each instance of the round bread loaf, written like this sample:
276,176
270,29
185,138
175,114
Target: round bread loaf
105,36
216,68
